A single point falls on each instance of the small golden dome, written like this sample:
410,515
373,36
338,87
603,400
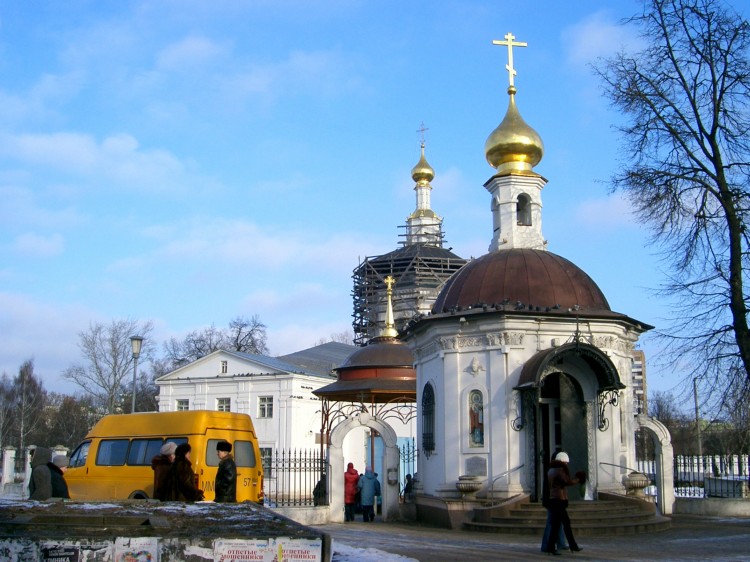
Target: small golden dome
513,145
422,172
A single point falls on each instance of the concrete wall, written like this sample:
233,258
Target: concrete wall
713,507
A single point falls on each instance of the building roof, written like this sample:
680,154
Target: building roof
257,365
521,276
320,359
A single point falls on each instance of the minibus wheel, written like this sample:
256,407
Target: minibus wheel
138,495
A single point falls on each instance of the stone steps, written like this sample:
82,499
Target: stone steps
599,517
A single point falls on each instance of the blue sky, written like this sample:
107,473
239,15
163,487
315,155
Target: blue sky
187,162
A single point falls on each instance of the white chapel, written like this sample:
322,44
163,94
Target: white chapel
521,354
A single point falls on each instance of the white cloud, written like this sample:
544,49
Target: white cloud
118,159
328,74
598,35
22,207
32,244
187,54
43,331
236,242
606,213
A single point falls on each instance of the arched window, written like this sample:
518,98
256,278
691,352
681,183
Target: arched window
476,419
523,210
428,420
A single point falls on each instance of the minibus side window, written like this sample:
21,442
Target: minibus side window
143,450
112,452
212,459
244,454
79,456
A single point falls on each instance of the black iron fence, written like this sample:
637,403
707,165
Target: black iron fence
294,478
710,476
408,454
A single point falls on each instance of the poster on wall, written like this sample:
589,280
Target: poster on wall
272,550
239,550
297,550
60,553
144,549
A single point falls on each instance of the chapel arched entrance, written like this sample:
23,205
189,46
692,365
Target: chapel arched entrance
389,482
564,391
562,426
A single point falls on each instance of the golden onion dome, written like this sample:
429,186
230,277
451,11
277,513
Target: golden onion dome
513,145
422,172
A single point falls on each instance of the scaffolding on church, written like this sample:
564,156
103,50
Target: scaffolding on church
420,271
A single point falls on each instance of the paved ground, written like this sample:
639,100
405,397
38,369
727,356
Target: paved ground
690,538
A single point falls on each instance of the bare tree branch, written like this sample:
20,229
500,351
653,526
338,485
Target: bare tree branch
686,170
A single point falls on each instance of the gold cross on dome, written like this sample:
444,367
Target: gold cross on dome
509,37
422,129
389,282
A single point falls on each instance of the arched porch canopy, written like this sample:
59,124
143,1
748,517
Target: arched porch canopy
535,368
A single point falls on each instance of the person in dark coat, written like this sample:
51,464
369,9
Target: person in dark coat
161,465
40,484
409,489
561,542
351,477
182,478
369,487
57,469
559,479
225,485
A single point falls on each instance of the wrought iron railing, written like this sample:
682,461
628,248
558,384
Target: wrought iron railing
295,478
718,476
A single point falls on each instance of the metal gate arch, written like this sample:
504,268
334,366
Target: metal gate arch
336,466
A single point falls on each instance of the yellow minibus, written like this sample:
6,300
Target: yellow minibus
114,460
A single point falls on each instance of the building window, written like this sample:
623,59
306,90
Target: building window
523,210
183,404
265,406
476,419
224,367
428,420
265,458
224,404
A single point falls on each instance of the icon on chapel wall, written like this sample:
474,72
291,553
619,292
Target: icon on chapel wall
476,419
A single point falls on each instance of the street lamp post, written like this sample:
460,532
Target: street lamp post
135,344
697,419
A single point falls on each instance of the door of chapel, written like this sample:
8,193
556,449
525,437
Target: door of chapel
562,426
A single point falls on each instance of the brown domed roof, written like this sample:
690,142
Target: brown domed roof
523,278
378,372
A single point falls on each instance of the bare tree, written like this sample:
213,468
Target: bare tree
664,407
29,401
685,98
247,335
6,410
70,418
340,337
108,357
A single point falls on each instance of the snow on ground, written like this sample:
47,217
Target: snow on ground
344,553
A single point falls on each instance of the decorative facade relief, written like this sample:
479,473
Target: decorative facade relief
614,343
494,339
472,341
476,367
447,343
513,338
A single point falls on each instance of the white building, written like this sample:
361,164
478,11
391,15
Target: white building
277,393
